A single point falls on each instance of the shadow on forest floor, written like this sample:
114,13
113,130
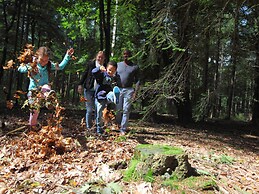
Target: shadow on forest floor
239,135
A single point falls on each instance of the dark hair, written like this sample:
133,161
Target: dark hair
128,52
112,63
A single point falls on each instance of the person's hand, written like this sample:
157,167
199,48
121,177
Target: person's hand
70,51
102,68
80,89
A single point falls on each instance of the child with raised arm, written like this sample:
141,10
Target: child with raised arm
39,75
107,90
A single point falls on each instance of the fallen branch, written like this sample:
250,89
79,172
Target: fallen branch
15,130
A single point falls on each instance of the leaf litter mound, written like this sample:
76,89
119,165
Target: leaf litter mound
46,160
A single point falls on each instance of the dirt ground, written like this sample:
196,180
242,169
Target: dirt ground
227,151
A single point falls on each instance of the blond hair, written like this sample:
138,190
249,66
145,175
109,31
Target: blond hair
99,53
41,52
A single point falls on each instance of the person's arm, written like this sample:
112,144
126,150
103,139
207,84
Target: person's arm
24,69
118,80
137,84
98,74
64,62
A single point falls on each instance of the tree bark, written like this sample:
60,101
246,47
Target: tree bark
18,75
101,25
8,27
255,116
114,29
184,108
107,31
234,63
206,61
216,108
255,108
105,24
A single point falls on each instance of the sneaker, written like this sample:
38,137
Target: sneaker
50,93
122,132
45,88
99,131
116,93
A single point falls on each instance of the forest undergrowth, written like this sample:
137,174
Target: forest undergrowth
68,159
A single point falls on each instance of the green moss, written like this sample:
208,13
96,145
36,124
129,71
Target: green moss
138,169
121,139
226,159
163,149
170,183
130,173
196,183
149,176
209,184
191,181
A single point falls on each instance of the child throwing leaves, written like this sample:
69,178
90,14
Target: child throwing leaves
39,71
107,90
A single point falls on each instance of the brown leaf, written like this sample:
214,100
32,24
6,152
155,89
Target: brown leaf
83,99
73,57
20,92
9,104
16,96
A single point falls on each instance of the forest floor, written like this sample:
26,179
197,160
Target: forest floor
79,162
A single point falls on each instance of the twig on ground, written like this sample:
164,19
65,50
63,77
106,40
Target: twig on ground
15,130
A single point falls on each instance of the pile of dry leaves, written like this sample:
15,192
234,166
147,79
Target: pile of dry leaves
47,161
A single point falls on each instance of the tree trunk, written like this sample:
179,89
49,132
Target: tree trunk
33,26
75,94
234,63
22,37
6,41
19,76
63,84
101,25
107,31
255,108
206,61
156,160
68,88
105,24
28,21
255,116
184,108
1,73
216,108
114,29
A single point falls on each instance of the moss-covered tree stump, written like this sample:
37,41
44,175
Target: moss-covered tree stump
154,160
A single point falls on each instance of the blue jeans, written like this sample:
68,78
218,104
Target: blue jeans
123,108
100,105
89,95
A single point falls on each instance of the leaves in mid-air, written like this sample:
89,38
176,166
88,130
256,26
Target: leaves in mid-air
9,65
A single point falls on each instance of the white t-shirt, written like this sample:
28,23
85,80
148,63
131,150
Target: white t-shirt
97,64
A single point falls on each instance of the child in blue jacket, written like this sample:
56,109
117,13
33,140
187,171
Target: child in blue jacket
107,90
39,75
